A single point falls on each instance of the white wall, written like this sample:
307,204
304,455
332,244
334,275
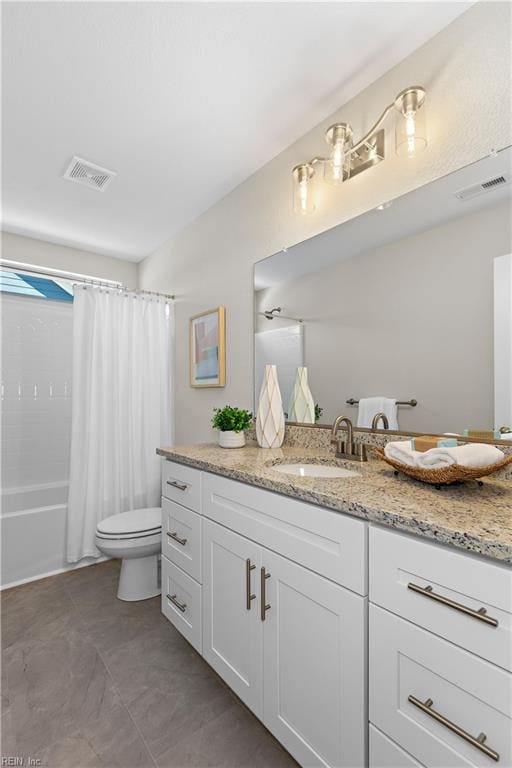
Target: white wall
466,71
31,251
411,319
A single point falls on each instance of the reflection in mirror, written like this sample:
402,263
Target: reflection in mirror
410,302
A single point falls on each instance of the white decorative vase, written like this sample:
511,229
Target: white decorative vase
231,439
270,416
301,407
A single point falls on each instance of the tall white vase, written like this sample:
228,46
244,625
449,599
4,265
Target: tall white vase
301,407
270,416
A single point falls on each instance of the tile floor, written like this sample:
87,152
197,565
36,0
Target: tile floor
89,681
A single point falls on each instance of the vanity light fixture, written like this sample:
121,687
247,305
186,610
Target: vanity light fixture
302,199
410,122
347,158
337,165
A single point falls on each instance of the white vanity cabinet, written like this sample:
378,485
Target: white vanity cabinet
440,649
355,645
290,643
281,590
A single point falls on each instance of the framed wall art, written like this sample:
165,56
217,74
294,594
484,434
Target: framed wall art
208,348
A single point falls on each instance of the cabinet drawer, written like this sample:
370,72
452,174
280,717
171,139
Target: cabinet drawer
462,696
181,602
181,537
401,565
329,543
181,484
384,753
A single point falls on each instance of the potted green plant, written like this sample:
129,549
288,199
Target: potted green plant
231,423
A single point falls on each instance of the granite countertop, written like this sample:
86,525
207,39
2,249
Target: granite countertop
469,517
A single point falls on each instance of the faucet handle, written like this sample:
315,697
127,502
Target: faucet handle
361,452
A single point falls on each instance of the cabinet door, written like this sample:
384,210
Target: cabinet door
232,630
314,666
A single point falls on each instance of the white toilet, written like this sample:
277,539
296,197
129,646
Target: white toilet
135,537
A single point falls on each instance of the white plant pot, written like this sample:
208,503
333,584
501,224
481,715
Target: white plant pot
231,439
270,416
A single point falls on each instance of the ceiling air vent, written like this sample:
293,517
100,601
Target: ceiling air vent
484,186
88,174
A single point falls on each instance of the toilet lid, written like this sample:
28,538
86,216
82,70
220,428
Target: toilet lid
135,521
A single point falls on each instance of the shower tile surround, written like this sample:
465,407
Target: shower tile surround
466,517
35,391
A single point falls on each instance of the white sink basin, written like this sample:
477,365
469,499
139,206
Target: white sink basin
315,470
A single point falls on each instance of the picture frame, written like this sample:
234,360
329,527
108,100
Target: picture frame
207,343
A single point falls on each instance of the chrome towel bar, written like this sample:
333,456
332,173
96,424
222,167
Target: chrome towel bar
413,403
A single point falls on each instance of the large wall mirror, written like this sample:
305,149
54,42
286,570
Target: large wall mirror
411,301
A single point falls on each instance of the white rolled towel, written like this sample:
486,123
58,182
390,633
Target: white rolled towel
402,451
467,455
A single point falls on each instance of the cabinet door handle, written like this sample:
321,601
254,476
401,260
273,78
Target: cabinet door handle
174,535
475,741
248,595
176,484
480,614
180,606
263,584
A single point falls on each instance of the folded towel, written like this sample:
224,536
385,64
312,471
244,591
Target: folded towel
468,455
370,406
402,451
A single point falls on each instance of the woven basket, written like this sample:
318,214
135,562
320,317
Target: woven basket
455,473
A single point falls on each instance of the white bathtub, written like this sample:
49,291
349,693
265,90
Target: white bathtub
33,533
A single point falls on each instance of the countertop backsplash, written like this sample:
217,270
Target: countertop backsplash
315,437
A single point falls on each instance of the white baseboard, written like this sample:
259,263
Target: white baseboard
70,567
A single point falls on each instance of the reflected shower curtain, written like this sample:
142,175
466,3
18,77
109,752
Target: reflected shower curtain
121,409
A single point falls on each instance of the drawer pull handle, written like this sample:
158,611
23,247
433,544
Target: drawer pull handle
481,614
475,741
180,606
263,584
248,595
176,484
173,535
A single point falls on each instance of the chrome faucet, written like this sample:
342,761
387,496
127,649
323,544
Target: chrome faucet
347,449
380,417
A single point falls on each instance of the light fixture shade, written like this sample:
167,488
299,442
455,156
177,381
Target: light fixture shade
411,124
302,189
337,165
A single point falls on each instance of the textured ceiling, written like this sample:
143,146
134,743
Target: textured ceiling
182,100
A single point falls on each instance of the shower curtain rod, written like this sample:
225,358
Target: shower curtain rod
64,275
123,289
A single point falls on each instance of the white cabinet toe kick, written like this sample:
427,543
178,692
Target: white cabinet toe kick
356,646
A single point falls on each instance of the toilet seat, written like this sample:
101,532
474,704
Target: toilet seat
134,524
128,536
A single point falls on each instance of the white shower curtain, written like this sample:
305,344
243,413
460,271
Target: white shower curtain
121,409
